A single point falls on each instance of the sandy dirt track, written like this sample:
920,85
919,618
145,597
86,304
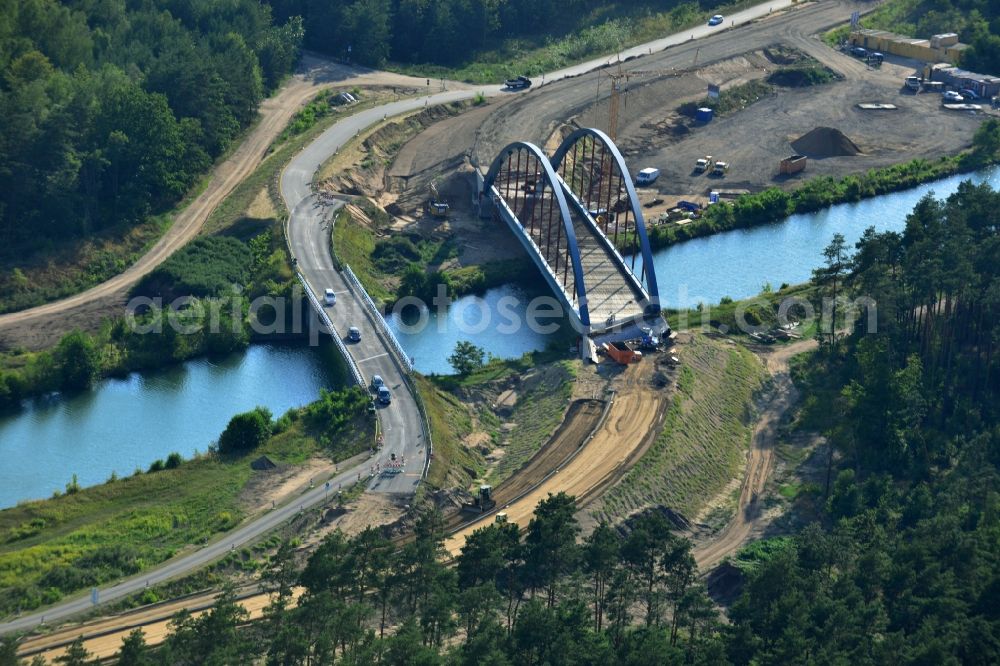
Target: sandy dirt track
630,421
42,326
761,460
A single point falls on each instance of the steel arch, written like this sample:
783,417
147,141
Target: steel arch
640,223
551,180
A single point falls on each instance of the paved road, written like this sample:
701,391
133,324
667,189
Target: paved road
532,116
309,240
183,565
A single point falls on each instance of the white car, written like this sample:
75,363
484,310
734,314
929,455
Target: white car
330,297
716,20
951,97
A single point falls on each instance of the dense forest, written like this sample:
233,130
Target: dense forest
112,109
449,32
900,563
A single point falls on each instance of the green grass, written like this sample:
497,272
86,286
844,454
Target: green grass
612,28
354,244
704,439
758,311
537,414
453,464
51,548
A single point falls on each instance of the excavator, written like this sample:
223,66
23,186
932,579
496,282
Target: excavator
434,205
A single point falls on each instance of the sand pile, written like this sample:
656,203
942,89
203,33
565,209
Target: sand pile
825,142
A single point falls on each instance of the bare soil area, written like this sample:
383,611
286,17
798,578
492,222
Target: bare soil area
625,431
748,516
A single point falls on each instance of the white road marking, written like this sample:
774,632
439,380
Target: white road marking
372,358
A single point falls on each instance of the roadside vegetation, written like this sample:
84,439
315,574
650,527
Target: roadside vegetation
89,536
487,43
705,435
391,265
110,122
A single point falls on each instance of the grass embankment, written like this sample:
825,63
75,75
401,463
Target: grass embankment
705,436
733,317
535,416
454,464
85,537
611,28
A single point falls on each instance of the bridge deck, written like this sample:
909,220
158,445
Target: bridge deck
609,292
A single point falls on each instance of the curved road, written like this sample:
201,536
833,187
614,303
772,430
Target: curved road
308,231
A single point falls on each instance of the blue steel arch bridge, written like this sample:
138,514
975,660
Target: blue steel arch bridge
579,218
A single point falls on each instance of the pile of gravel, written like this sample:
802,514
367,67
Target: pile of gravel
825,142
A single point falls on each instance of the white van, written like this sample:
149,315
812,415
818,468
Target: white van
330,297
647,176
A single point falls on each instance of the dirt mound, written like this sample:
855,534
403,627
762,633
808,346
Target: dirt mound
825,142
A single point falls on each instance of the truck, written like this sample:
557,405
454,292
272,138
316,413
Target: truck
720,168
702,164
518,83
913,83
622,352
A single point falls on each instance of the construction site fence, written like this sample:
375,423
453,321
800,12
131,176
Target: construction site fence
325,319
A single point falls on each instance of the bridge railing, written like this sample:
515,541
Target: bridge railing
379,319
401,356
325,319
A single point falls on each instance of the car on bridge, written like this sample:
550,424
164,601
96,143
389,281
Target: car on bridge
330,297
716,20
383,396
377,382
353,334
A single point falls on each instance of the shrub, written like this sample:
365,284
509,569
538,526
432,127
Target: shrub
246,431
174,461
77,361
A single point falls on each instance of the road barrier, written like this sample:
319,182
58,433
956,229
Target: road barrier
379,319
325,319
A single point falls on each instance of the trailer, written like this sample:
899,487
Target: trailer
792,164
622,352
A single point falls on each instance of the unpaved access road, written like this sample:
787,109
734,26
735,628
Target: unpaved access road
42,326
761,459
631,421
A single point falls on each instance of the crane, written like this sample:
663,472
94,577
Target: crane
619,83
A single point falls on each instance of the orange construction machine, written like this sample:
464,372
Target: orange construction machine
622,352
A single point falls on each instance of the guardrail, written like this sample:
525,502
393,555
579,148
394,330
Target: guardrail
325,318
404,360
379,319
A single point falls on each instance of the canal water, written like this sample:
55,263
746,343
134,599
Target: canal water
122,424
739,263
127,423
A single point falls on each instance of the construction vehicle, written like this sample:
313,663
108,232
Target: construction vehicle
501,517
622,352
720,168
702,164
434,206
484,501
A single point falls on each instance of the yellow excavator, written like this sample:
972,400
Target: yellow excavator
434,205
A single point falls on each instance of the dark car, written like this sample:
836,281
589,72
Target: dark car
518,83
859,52
353,334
